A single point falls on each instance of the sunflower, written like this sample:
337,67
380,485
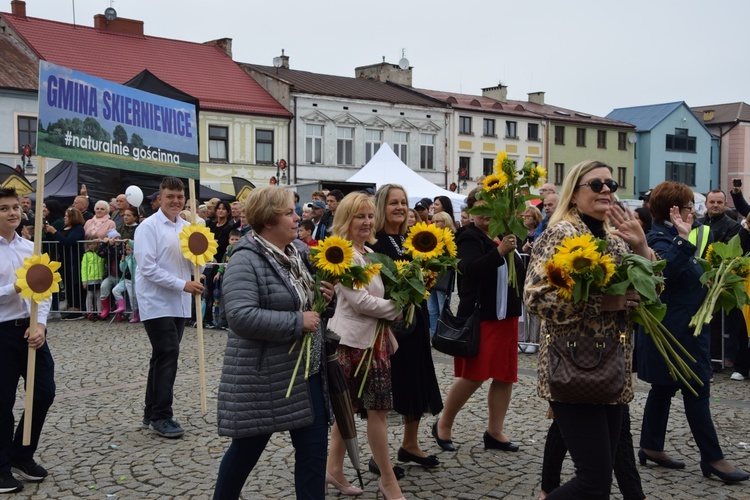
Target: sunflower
450,243
333,255
38,278
499,161
371,271
605,262
574,252
712,257
558,277
198,244
430,279
424,241
579,261
401,266
495,181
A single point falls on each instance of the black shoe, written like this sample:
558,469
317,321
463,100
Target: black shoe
405,456
397,471
491,443
728,477
669,463
30,471
445,444
146,423
167,428
9,484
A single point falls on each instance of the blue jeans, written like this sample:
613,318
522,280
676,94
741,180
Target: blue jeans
13,361
165,335
435,303
310,454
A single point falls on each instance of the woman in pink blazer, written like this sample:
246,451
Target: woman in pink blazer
355,321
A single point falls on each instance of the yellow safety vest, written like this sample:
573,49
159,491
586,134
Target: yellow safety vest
699,237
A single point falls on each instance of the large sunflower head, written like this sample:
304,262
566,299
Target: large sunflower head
495,181
558,277
497,165
424,241
333,255
38,279
450,243
198,244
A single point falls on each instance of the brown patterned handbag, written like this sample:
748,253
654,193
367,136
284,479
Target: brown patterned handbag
586,370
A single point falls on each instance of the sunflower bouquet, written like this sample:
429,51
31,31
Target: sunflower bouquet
506,192
334,260
725,271
580,267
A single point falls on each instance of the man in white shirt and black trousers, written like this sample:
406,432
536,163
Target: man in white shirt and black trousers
164,289
16,336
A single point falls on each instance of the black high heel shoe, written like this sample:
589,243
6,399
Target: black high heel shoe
429,461
728,477
445,444
669,463
398,471
491,443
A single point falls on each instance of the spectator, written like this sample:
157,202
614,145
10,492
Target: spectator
307,212
110,249
126,283
121,203
532,217
644,217
129,223
221,225
219,321
306,228
153,199
444,284
318,195
444,204
26,206
549,205
422,208
97,227
81,203
465,217
164,287
742,361
92,274
333,199
69,238
318,209
237,209
18,334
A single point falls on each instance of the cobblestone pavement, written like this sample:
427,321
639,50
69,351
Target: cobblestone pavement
94,447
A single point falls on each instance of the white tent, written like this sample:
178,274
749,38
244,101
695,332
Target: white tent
387,168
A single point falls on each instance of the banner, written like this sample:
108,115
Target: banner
86,119
242,188
12,178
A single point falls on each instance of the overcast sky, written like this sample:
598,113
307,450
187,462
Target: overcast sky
587,55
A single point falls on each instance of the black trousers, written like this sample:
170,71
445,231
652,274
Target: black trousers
165,335
13,362
591,433
626,472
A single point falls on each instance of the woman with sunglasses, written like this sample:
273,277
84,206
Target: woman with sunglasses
590,431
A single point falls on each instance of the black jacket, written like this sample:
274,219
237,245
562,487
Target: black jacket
722,226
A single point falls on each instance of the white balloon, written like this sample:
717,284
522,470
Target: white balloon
134,195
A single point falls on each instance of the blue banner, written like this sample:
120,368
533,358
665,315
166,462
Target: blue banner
86,119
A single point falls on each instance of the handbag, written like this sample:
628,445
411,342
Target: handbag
456,336
586,370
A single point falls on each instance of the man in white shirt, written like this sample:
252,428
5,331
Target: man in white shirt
16,336
164,288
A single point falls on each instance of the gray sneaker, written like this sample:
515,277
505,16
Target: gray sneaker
167,428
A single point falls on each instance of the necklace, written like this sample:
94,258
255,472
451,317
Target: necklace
398,246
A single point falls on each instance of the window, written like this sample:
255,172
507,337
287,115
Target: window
427,151
559,135
601,139
678,171
218,140
313,144
681,141
263,146
488,128
488,165
511,130
581,137
464,125
27,133
373,140
622,177
344,146
622,141
559,173
533,132
464,162
401,145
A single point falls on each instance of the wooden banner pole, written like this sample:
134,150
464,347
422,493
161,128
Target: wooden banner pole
198,312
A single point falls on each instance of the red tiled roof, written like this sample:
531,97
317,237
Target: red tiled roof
19,69
201,70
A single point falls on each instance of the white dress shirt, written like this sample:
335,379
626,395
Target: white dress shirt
162,270
12,306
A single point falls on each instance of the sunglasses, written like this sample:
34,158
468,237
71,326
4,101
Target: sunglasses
596,185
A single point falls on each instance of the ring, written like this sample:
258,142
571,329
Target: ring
627,303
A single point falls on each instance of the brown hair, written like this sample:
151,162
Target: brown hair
667,195
75,217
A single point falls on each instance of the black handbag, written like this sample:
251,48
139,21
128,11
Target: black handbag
456,336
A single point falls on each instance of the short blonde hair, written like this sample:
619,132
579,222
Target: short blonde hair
345,212
443,216
264,204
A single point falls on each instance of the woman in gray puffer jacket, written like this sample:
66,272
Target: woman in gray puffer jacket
268,293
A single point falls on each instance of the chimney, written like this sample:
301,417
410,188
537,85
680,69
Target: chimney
536,97
284,60
499,93
224,44
120,25
18,8
384,72
708,115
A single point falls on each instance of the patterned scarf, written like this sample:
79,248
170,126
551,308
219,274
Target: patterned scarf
290,260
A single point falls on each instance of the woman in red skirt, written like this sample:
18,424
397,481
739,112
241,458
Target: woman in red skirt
484,272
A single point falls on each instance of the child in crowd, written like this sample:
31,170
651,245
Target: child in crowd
306,228
219,321
110,249
92,274
126,284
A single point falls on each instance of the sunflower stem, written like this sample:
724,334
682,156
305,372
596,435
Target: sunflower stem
296,367
368,354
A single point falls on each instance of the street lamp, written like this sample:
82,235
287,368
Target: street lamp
281,170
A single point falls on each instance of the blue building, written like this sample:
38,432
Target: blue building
671,145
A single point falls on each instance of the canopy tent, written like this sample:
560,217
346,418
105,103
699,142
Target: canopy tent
64,181
386,168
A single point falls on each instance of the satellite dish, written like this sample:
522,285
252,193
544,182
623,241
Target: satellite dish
403,63
110,14
632,138
277,62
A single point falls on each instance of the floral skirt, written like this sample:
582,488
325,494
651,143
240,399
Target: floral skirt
377,393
